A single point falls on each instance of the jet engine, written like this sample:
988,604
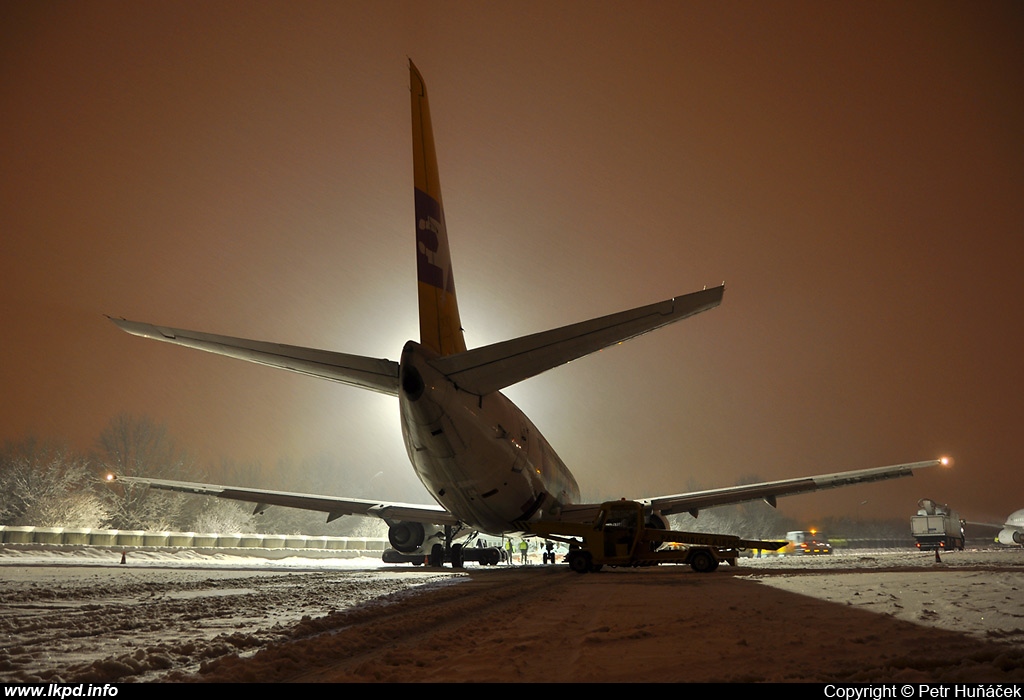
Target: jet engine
1008,536
406,537
657,521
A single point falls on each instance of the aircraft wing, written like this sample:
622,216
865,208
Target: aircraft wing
334,507
493,367
356,370
769,491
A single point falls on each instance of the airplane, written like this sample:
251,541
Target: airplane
1009,533
1012,531
483,461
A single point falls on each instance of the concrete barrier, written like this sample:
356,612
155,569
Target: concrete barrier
232,540
48,535
103,538
156,539
76,536
181,539
18,534
130,538
23,534
274,541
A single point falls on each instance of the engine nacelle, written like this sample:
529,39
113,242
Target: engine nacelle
657,521
406,537
1008,536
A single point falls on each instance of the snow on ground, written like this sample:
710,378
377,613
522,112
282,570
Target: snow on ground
883,616
977,592
78,615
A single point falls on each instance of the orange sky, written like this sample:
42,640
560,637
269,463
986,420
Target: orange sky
854,173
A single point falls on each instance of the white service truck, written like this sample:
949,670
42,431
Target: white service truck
937,527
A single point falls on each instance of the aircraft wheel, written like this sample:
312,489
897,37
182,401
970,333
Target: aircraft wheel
456,556
579,562
437,555
702,562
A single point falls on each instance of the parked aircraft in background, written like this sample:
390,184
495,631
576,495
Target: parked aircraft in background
1012,531
484,462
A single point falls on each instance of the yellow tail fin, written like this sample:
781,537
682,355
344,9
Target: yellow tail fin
440,327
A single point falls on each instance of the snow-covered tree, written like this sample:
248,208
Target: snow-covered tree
136,446
46,484
210,514
751,520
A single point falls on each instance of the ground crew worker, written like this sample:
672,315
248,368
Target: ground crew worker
508,551
523,548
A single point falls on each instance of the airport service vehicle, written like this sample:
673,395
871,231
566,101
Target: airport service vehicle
937,526
803,542
620,536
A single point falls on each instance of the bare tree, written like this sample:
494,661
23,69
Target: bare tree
326,474
136,446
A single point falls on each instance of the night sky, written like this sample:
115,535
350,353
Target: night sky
853,172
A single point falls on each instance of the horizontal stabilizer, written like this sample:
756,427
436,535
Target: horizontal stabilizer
356,370
493,367
335,507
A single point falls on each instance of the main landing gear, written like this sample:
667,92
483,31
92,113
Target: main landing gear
439,554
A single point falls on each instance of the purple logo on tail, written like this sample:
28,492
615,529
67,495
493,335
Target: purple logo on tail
429,234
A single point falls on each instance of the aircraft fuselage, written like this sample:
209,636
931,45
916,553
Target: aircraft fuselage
479,456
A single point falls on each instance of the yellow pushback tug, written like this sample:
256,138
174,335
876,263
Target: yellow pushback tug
619,536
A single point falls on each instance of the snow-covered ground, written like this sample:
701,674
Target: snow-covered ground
81,616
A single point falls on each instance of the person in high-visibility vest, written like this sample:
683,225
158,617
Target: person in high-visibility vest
523,549
508,551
